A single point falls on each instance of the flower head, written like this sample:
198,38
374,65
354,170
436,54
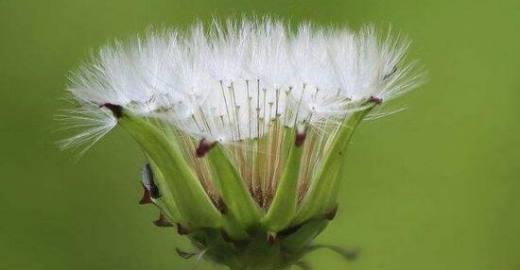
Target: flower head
244,125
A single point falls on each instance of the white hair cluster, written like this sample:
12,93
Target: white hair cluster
227,82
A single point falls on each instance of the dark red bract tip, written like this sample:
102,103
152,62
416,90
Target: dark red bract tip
147,198
204,147
271,238
300,138
162,222
332,213
181,230
376,100
115,109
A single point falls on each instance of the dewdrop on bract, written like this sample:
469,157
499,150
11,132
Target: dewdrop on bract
244,125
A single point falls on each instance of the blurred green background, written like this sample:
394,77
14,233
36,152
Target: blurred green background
434,187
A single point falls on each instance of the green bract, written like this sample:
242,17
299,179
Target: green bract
234,228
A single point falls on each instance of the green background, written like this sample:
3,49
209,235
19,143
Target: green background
434,187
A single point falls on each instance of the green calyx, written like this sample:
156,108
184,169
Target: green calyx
247,225
262,251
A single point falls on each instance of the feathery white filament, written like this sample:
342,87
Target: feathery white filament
228,81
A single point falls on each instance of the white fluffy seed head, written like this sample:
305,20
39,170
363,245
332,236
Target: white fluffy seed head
228,81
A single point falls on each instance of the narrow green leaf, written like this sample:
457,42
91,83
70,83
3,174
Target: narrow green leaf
318,199
235,194
283,207
190,198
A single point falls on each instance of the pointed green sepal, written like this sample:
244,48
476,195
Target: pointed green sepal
318,198
348,254
235,194
303,237
165,202
188,193
283,208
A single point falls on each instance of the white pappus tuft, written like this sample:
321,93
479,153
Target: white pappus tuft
227,82
246,84
88,117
